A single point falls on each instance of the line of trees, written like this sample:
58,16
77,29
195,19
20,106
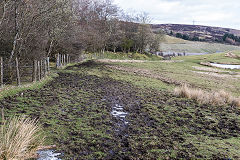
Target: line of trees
187,37
231,38
33,29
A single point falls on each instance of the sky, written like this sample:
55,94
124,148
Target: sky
219,13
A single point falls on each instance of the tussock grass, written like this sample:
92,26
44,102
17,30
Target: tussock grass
20,138
216,98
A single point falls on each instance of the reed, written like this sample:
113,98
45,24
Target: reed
20,138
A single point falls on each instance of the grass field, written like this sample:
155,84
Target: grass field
75,109
173,44
188,70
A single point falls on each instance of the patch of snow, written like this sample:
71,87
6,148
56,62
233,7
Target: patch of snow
226,66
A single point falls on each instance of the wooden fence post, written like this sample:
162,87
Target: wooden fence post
34,71
39,70
42,68
45,67
57,64
67,59
48,64
63,59
1,71
62,63
59,60
40,64
17,72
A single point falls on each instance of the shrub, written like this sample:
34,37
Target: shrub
139,56
20,138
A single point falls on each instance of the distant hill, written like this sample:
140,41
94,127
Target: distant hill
204,33
177,45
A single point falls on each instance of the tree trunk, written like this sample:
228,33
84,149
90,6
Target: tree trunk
1,61
4,12
50,49
18,74
39,70
14,47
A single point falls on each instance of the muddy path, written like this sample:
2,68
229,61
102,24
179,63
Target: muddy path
96,117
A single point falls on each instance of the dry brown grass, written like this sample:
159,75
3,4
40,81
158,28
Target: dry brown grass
231,55
216,98
20,138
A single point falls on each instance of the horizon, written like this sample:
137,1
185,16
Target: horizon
193,25
198,12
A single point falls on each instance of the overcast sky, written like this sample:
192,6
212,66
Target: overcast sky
221,13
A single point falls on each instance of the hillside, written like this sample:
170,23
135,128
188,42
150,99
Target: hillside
177,45
206,33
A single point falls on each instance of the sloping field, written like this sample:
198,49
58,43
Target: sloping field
79,109
177,45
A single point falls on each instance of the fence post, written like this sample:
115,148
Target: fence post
67,59
33,70
1,61
18,74
40,64
39,70
44,67
62,63
48,64
57,64
64,59
34,79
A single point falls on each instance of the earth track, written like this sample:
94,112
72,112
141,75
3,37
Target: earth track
75,110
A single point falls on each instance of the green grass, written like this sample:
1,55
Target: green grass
182,70
10,90
125,56
140,81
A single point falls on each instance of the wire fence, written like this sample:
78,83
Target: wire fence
18,71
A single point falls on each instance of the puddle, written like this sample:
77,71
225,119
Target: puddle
48,155
121,127
226,66
173,54
117,112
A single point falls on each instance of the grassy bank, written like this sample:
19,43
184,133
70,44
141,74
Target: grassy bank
126,56
10,90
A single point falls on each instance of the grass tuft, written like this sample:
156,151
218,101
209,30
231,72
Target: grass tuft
20,138
215,98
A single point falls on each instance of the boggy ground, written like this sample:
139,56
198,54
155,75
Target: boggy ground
75,112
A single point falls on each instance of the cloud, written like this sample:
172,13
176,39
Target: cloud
220,13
